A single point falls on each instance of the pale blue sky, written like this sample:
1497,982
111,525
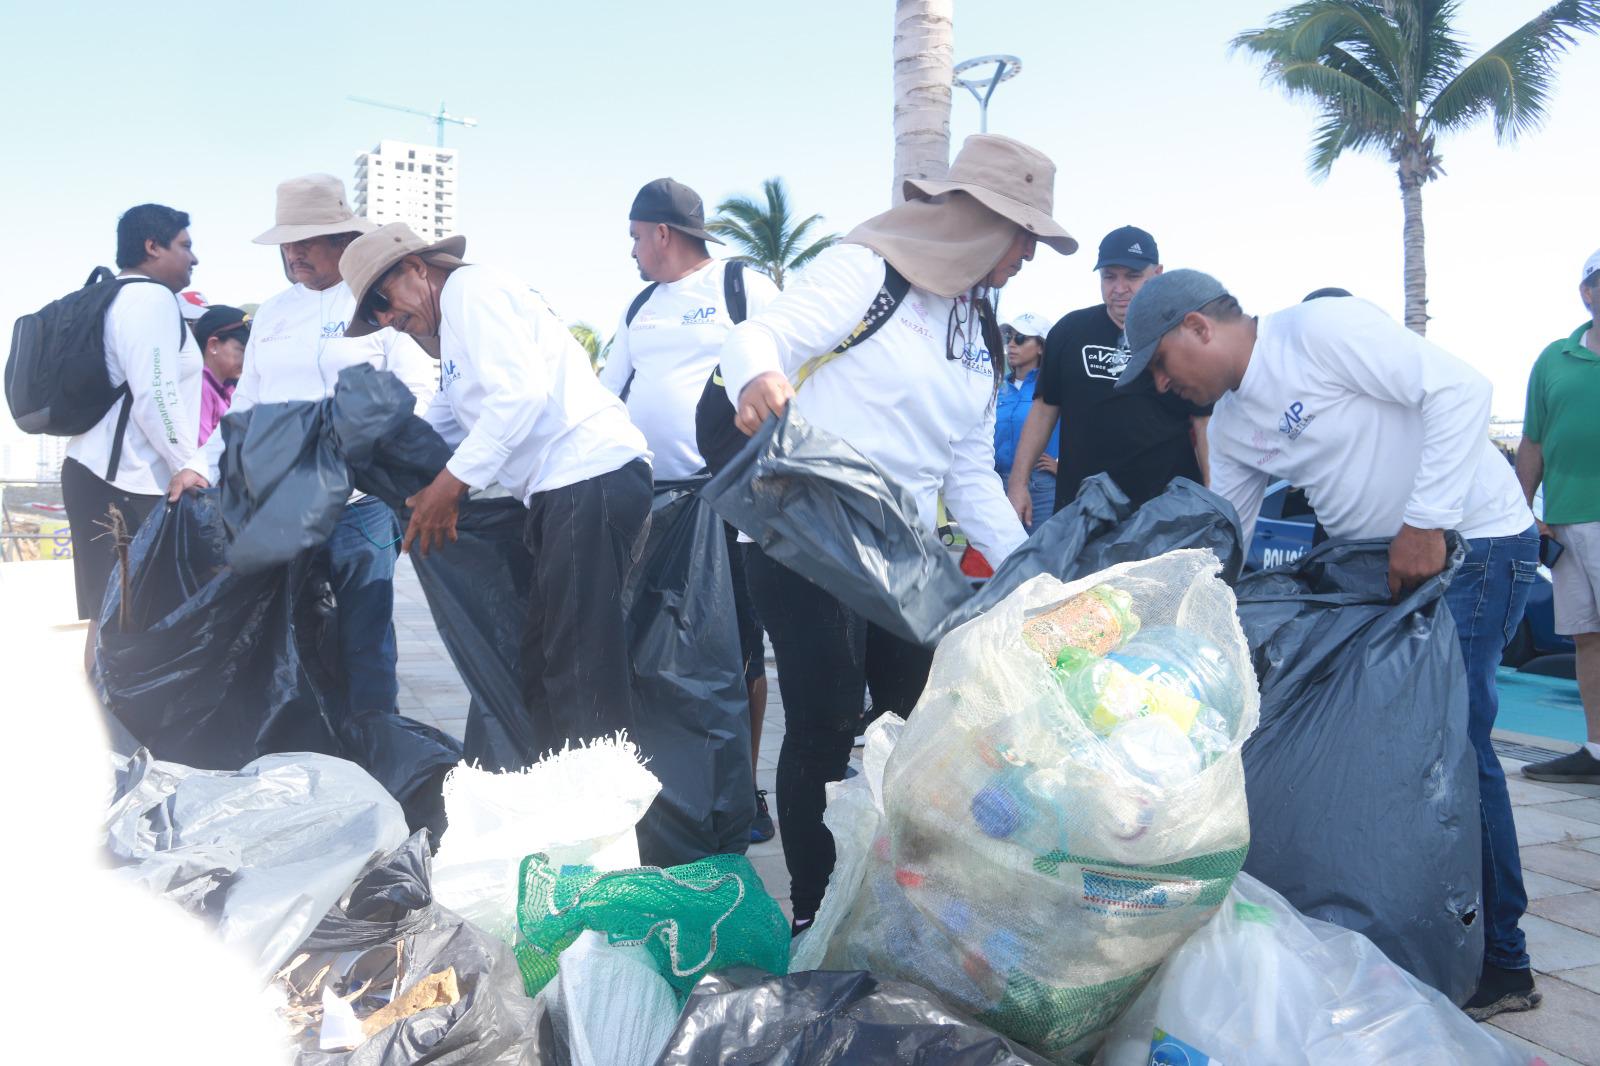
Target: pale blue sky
1148,117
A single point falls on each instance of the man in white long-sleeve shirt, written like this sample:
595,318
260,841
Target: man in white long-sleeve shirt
521,407
138,450
298,345
1389,437
917,397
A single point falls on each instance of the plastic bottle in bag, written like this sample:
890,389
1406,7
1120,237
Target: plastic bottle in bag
1108,694
1097,620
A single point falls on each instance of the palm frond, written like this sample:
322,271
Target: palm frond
821,245
1513,79
1307,32
765,233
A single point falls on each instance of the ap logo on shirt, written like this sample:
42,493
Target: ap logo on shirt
449,372
699,316
1294,421
1105,363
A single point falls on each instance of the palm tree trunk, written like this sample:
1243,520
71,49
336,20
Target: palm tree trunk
924,51
1416,268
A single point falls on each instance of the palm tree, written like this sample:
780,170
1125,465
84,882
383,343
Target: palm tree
1390,76
589,337
924,50
765,235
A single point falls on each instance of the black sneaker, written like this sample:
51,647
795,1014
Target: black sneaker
1501,990
761,828
1579,768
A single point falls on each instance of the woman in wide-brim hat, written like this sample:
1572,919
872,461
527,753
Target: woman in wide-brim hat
917,397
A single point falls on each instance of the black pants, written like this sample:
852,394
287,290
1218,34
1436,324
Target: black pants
828,657
585,539
88,497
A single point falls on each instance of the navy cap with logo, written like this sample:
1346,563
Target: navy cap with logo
1130,247
220,319
1157,308
674,204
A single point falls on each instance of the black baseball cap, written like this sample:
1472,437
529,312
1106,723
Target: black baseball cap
220,318
1128,246
674,204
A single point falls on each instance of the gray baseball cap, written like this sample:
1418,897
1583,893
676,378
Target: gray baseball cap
1157,307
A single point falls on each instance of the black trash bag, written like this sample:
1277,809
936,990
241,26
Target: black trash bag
478,590
212,669
208,667
493,1023
816,505
286,471
746,1017
819,507
1363,785
1101,528
693,713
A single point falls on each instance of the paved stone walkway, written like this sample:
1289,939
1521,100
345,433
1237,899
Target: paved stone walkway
1558,827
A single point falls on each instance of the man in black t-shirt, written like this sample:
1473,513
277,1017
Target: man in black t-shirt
1141,437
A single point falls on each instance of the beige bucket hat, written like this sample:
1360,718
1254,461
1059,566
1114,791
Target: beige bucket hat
370,256
1009,178
312,205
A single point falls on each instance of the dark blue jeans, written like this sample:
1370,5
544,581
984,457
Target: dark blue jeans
1486,600
361,555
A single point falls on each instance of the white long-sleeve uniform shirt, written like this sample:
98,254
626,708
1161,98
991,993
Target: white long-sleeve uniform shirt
669,350
149,347
517,398
925,420
297,347
1378,426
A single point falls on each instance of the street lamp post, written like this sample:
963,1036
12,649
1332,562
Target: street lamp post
982,89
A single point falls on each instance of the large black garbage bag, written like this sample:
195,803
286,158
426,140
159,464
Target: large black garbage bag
388,926
693,714
211,668
1363,785
208,667
819,507
1101,528
744,1017
478,590
822,509
287,469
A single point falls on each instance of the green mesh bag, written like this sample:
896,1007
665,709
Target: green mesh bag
702,916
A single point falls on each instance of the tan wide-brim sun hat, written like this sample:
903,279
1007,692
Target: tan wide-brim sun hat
1008,177
312,205
370,256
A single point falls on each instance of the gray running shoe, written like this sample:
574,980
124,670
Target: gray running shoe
1578,768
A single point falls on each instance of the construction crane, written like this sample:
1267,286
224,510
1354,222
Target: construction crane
439,118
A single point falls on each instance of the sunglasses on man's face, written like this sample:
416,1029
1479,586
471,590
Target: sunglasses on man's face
375,302
1007,334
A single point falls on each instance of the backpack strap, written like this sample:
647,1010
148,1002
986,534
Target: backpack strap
891,294
122,431
733,291
627,320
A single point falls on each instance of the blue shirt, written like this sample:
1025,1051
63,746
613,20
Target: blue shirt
1011,411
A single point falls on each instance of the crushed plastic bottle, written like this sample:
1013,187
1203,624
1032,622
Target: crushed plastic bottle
1098,620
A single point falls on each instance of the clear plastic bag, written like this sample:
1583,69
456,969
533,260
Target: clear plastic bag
1022,864
609,1006
1264,985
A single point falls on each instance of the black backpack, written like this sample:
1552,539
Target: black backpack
56,377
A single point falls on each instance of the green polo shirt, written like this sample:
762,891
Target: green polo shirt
1563,416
